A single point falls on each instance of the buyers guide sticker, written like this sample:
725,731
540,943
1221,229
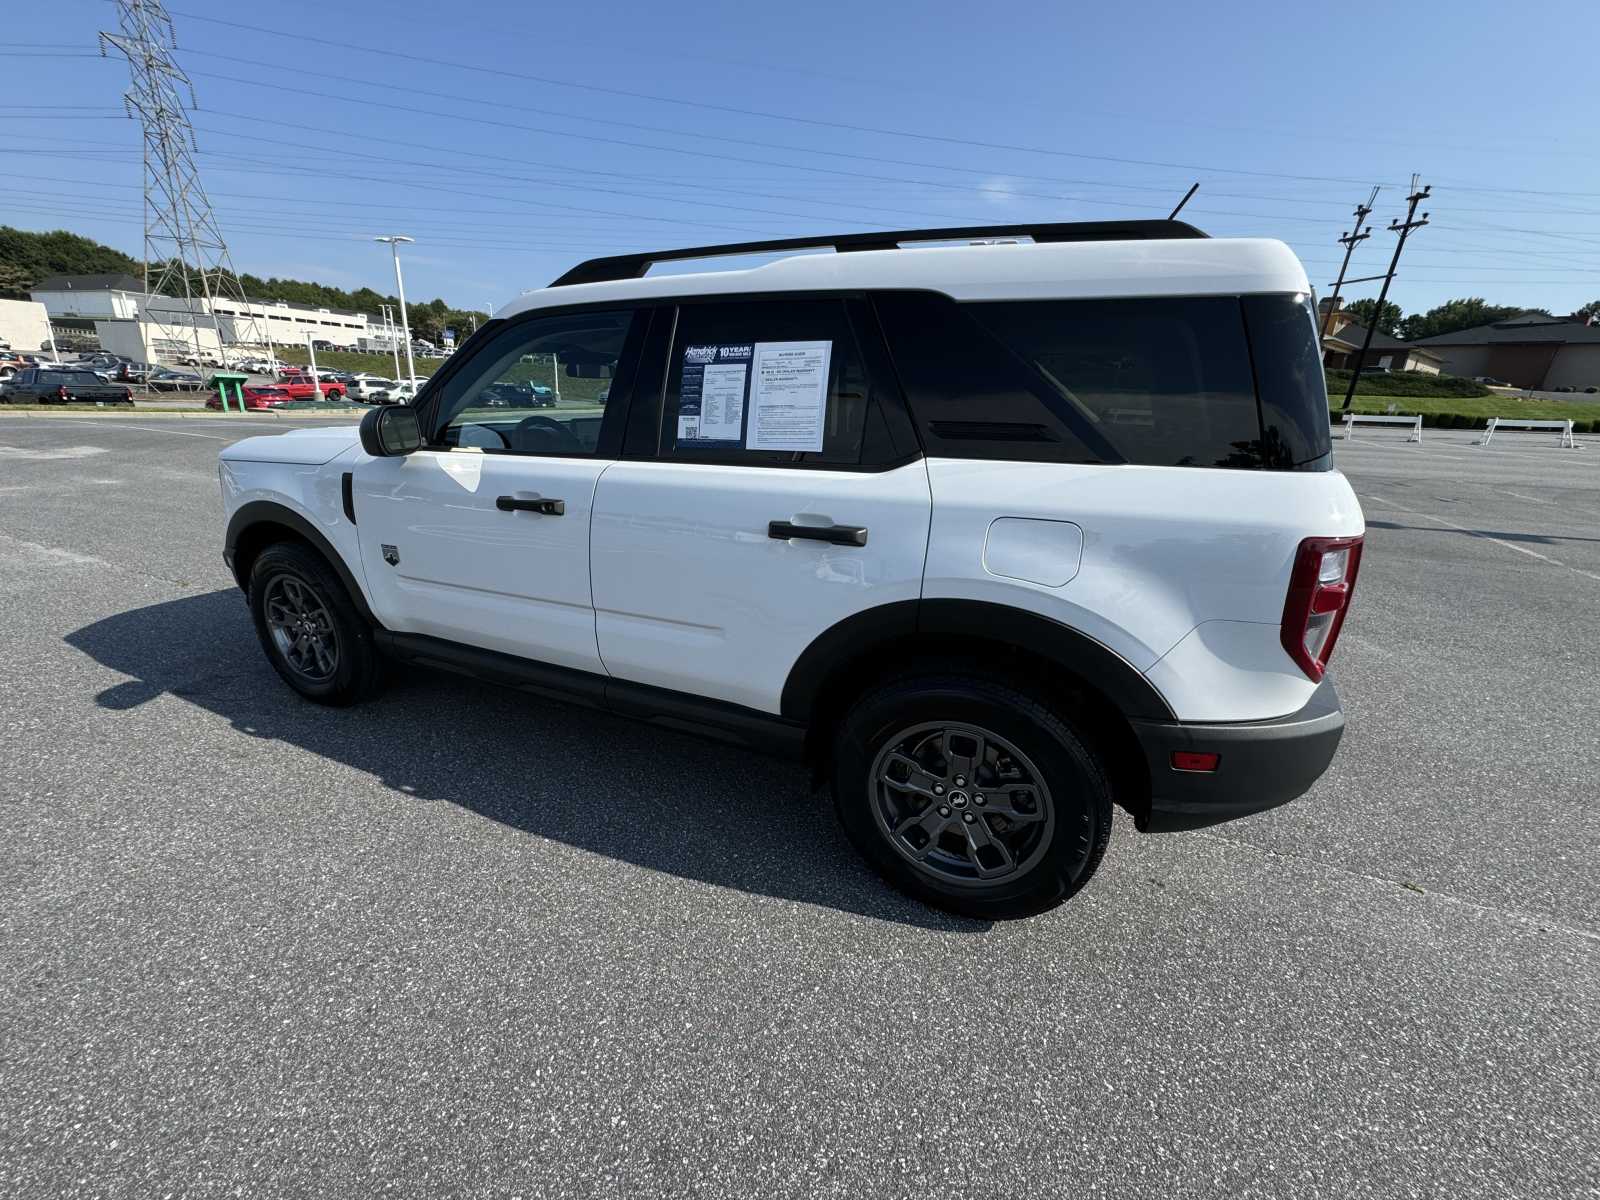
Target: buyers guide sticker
760,396
789,398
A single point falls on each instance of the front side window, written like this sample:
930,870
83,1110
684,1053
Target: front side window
768,382
539,386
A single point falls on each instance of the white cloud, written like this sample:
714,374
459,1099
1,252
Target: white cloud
999,189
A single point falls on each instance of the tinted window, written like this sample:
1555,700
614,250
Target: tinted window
1294,391
1166,381
745,376
970,397
541,385
69,378
1162,381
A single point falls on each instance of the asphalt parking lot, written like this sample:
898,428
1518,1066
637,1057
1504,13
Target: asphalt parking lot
463,942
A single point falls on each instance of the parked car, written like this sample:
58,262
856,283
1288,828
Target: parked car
516,395
133,372
166,380
266,396
399,392
1490,381
299,386
10,364
64,385
998,537
367,387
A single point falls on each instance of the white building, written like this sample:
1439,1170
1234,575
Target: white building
24,325
80,299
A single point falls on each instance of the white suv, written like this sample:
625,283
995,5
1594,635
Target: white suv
996,535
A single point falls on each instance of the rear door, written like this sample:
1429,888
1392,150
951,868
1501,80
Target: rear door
772,490
482,536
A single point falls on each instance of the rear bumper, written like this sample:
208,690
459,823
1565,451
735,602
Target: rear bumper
1262,764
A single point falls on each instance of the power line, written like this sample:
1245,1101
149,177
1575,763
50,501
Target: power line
817,122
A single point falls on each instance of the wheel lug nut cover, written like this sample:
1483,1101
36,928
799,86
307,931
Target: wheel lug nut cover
938,789
943,811
978,799
968,818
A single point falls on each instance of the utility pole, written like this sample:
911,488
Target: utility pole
1349,240
1403,228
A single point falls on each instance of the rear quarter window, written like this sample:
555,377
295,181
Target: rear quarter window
1160,381
1166,381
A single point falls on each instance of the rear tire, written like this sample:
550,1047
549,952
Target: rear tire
309,628
971,795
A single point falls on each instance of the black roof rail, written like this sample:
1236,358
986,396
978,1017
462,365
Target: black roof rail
633,266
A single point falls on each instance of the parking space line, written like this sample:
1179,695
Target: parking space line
146,429
1478,533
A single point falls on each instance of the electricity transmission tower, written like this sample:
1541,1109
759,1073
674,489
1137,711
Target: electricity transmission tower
185,257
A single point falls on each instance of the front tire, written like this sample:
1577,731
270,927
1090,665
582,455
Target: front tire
309,628
971,795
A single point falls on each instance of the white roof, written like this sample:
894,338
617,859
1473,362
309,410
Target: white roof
1015,271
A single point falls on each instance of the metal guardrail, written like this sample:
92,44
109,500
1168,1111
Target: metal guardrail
1350,420
1564,426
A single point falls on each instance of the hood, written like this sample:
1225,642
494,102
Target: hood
303,447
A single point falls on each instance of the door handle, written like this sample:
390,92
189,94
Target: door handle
839,535
550,508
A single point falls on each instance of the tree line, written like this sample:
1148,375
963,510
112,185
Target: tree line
27,258
1450,317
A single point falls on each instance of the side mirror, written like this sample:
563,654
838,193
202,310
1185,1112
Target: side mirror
391,431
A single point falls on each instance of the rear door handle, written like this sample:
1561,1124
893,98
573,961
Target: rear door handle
839,535
550,508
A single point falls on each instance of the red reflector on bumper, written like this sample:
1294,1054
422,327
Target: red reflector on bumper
1194,760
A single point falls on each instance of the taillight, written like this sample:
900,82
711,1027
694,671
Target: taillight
1320,588
127,394
63,393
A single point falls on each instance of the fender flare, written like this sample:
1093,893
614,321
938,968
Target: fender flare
864,632
268,512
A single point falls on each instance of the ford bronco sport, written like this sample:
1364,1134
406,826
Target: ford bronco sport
998,536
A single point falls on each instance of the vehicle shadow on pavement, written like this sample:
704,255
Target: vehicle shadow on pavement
662,800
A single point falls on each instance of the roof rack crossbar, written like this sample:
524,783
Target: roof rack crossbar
633,266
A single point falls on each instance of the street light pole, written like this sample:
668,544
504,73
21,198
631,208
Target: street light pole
394,241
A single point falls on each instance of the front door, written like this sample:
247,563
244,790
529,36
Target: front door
482,536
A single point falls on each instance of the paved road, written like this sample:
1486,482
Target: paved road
461,942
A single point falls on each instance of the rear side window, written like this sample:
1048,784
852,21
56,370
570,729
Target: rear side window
769,383
1162,381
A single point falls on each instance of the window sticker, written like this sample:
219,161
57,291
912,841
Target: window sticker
711,399
789,396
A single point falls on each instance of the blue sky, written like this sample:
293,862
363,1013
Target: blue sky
512,140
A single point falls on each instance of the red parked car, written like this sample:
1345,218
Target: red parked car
299,386
263,397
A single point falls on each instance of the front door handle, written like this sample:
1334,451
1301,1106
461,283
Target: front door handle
550,508
839,535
